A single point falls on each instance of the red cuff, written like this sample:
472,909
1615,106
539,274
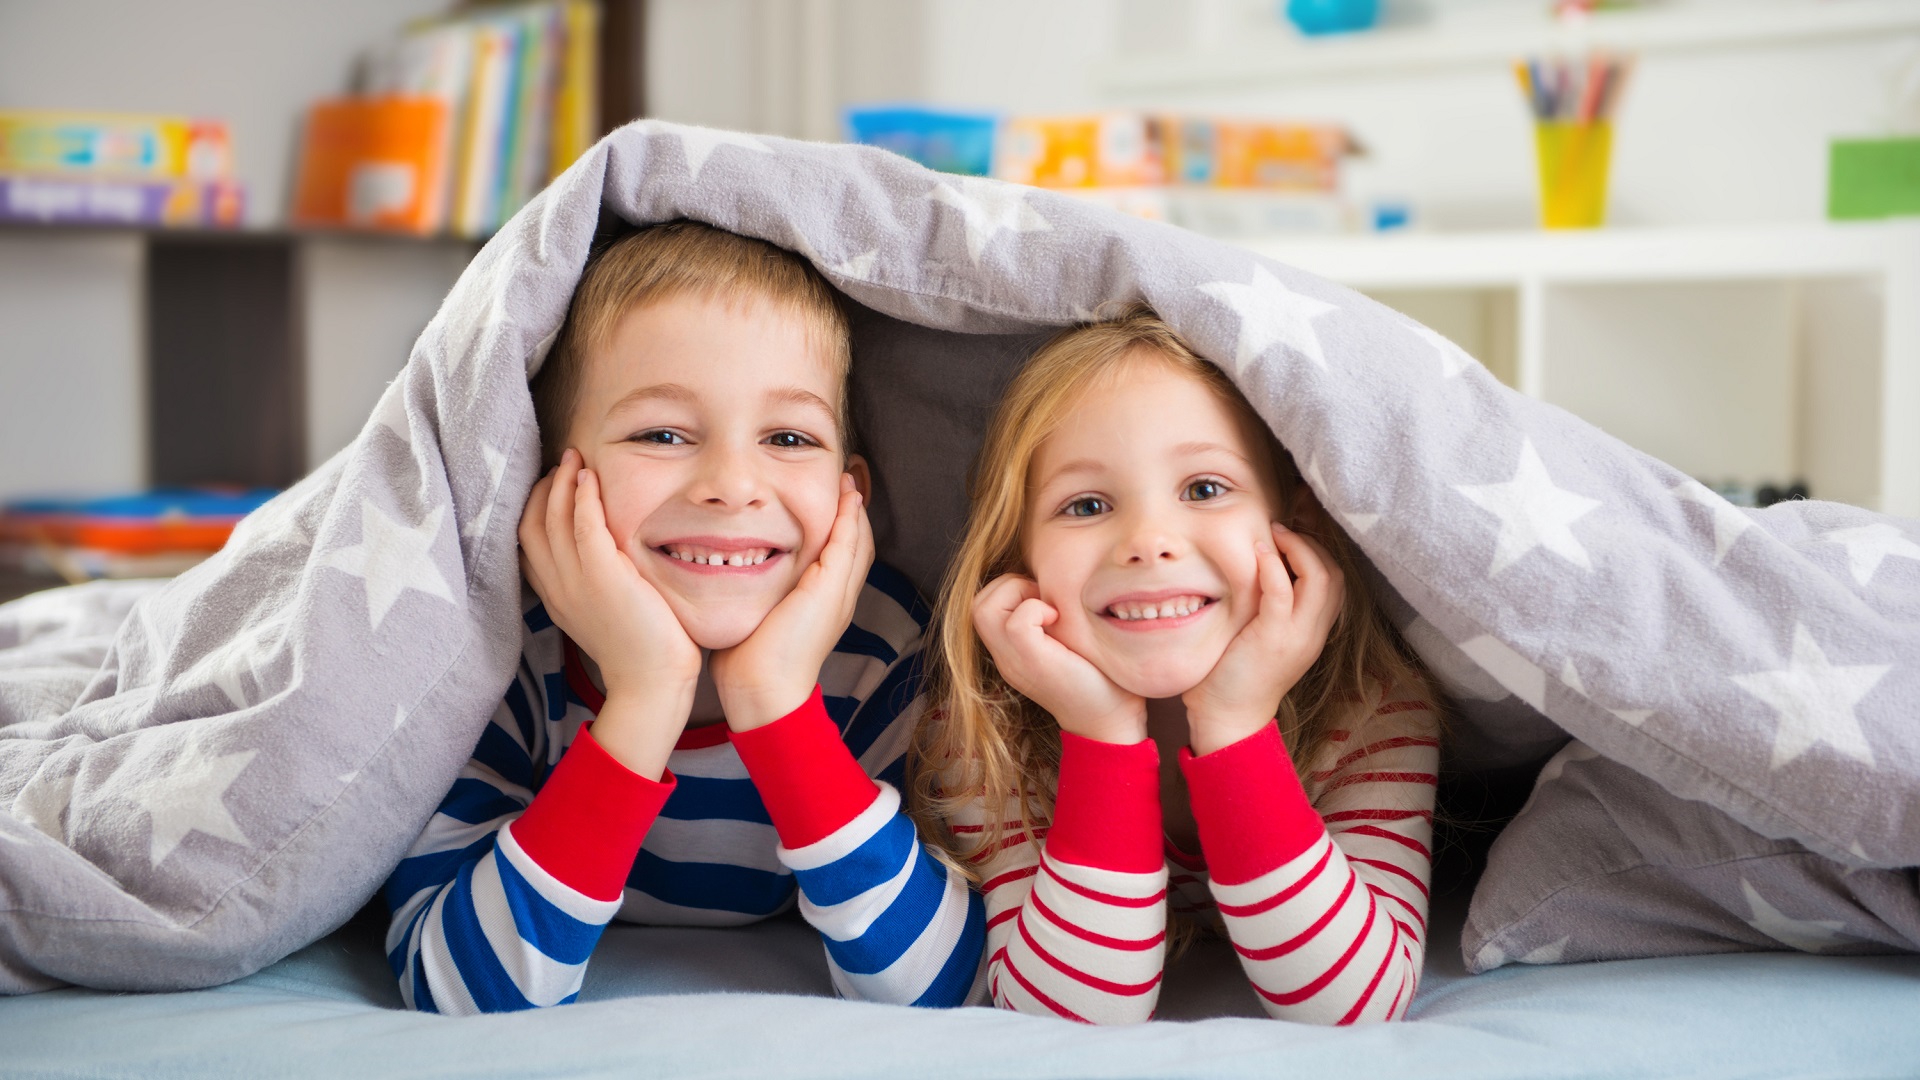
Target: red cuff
1106,813
1252,812
808,779
587,821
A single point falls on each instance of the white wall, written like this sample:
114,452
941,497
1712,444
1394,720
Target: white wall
255,63
72,387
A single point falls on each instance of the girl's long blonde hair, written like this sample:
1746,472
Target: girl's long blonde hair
983,739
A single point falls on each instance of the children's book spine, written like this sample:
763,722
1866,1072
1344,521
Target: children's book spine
54,200
480,168
576,118
507,127
533,105
128,146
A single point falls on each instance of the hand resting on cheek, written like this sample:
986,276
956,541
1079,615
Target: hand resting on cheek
772,672
1271,653
594,593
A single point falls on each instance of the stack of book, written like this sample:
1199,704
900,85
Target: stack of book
456,124
153,534
1218,175
116,169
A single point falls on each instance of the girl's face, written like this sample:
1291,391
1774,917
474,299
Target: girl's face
1144,511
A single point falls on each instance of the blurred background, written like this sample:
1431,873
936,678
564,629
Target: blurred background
223,222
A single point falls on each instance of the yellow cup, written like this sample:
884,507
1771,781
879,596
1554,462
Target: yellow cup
1573,172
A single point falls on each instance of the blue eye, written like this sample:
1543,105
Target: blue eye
659,437
1202,490
1085,506
790,440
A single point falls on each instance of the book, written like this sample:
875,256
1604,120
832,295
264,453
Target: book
149,534
53,200
377,163
576,112
126,146
488,120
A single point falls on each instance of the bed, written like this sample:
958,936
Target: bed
754,1002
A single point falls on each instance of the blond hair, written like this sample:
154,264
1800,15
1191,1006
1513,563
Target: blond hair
681,258
982,738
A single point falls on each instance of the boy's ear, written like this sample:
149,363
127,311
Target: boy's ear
862,477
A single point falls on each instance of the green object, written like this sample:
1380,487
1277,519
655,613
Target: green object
1873,178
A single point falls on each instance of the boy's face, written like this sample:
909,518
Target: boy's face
711,427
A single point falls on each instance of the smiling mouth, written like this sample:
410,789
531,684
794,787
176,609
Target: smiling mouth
1162,610
709,556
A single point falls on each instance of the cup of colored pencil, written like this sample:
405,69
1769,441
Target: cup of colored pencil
1573,103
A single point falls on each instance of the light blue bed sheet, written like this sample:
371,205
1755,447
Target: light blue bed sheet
652,1007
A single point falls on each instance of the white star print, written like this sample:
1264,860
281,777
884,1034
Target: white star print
250,650
989,206
698,143
1355,523
190,797
1491,956
42,803
1270,314
1728,521
1570,675
1806,935
1455,670
1549,953
1453,359
1555,767
496,468
1869,545
1515,672
392,558
1533,513
855,268
1815,700
391,413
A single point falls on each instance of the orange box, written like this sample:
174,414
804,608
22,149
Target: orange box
1103,150
374,163
1260,154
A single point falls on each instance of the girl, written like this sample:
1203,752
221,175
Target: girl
1145,578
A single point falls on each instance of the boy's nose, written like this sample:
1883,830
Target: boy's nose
728,478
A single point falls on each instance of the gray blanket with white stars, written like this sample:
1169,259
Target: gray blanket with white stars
196,786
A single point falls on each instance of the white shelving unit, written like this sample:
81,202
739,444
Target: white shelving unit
1259,50
1756,353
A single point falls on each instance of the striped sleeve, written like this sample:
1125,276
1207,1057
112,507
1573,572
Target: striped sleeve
1325,901
1077,911
505,893
898,926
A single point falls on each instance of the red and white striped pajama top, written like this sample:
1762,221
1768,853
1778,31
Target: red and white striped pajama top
1321,887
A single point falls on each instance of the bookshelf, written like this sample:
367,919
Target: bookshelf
146,356
1754,353
1259,52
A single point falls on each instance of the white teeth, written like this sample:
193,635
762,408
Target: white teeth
1174,608
707,557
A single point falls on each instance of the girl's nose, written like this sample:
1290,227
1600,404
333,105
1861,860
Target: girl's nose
1149,541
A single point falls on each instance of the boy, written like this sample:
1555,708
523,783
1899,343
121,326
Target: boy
698,547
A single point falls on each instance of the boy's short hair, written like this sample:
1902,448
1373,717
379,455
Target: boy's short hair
676,259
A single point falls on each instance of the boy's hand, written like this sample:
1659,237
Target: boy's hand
1011,620
594,592
773,672
1270,654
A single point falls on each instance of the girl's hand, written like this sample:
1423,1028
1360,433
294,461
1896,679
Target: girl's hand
593,591
1270,654
1011,620
774,671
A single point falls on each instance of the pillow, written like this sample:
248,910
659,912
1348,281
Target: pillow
1604,864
